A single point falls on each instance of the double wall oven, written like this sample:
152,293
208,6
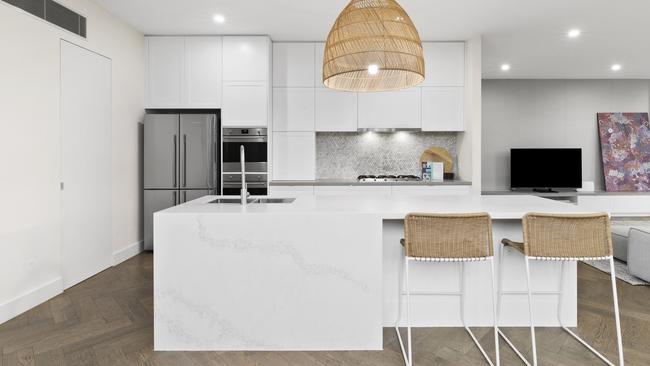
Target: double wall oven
255,142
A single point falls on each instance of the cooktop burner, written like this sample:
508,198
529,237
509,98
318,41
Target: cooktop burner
388,178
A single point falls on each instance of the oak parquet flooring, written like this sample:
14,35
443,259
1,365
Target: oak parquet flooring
108,320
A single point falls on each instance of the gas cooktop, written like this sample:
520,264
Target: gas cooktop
388,178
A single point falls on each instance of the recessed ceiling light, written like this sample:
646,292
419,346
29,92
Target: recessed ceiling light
373,69
218,18
616,67
505,67
574,33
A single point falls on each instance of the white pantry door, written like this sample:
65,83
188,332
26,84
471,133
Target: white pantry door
86,247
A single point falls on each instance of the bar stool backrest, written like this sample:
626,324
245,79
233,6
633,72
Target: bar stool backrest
567,235
448,235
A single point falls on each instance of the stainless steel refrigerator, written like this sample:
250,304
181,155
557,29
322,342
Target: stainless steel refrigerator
180,162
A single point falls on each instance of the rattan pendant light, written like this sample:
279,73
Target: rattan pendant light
373,46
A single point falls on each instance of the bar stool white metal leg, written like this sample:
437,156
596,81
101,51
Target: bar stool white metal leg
407,350
591,235
559,312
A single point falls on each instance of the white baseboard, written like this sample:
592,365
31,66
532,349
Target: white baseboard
30,299
125,253
39,295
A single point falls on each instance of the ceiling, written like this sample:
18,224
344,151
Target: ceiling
530,35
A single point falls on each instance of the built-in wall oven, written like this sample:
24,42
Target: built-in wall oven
255,142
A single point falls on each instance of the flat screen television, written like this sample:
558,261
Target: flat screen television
545,169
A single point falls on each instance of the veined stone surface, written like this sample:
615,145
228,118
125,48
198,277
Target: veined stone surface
348,155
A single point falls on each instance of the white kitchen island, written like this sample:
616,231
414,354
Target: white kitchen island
321,273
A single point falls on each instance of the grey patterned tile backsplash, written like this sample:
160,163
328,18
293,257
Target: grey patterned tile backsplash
342,155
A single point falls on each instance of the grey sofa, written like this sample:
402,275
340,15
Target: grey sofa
632,245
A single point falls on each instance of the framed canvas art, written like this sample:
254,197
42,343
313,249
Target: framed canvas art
625,145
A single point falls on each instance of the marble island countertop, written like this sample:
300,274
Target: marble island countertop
387,207
322,272
354,182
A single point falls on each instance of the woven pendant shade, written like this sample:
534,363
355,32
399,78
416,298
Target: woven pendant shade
373,46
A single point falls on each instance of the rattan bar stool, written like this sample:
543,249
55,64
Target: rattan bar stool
564,238
446,238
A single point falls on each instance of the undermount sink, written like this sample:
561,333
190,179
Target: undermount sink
275,200
254,200
233,200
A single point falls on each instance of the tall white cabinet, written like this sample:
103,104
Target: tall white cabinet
183,72
231,73
294,136
246,81
443,89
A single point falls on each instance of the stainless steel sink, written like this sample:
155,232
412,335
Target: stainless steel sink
275,200
233,200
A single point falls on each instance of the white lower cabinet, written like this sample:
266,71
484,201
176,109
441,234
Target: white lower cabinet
352,190
405,191
291,191
294,155
245,104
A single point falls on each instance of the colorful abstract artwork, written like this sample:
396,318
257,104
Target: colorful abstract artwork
625,144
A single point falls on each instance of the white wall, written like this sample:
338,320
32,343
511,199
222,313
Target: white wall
30,150
469,141
551,113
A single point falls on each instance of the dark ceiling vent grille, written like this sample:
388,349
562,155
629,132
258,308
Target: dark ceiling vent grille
54,13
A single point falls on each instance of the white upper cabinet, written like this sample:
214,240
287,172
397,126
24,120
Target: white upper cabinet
246,58
245,104
246,85
293,109
335,111
319,53
293,65
395,109
442,108
203,71
183,72
444,63
294,156
165,67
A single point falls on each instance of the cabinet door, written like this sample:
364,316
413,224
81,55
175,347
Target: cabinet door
165,71
410,191
398,109
335,111
293,64
444,63
245,104
294,155
246,58
442,109
293,109
203,72
319,53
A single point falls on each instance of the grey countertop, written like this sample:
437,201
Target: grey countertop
354,182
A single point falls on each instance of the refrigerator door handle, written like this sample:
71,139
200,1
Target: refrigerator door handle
174,195
174,163
184,160
184,196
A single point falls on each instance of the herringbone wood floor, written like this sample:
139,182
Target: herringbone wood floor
107,320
